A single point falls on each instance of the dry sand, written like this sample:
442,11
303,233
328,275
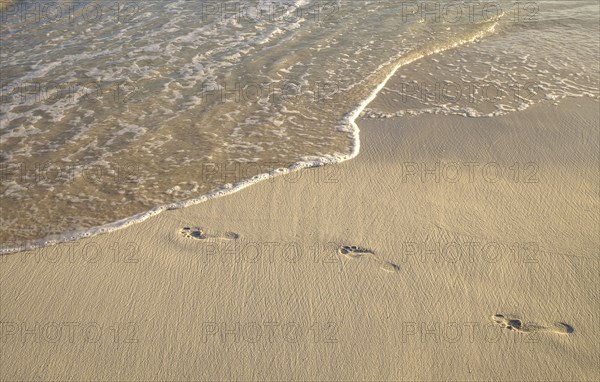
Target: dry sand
439,258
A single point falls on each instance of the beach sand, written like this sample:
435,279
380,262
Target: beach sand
477,259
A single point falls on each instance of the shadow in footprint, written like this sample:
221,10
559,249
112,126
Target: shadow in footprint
514,323
354,252
199,234
192,233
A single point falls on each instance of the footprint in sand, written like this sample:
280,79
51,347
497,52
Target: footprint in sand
514,323
199,234
354,252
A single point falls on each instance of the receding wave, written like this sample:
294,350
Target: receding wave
329,118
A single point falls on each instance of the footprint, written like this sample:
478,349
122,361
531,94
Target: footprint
193,233
514,323
199,234
354,252
230,236
389,267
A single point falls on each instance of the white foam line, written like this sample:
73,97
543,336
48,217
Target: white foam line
348,121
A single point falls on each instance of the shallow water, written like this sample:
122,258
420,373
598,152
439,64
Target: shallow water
111,109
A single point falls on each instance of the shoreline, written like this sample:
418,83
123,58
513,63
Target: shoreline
347,124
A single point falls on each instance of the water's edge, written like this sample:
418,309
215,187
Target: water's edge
347,124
